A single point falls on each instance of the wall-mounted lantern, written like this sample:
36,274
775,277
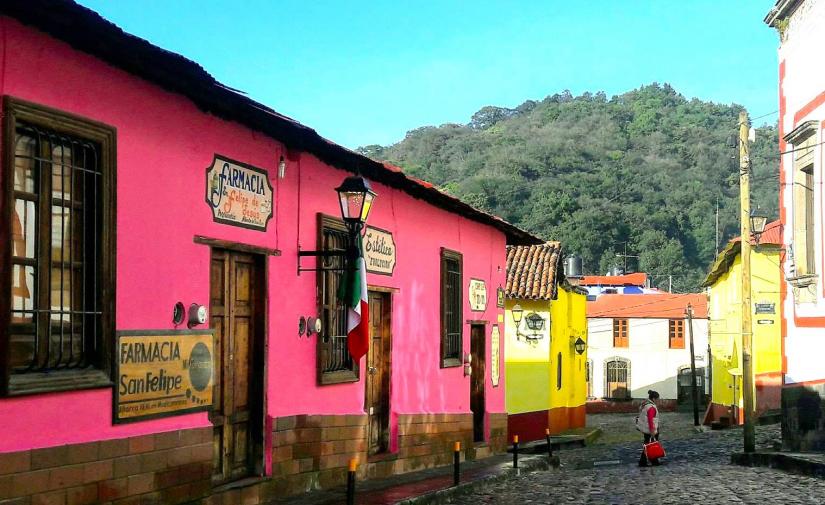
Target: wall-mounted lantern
355,197
580,346
758,223
535,323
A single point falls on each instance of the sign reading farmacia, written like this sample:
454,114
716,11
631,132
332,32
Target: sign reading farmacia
238,194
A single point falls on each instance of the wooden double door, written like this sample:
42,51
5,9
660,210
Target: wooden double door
377,397
237,315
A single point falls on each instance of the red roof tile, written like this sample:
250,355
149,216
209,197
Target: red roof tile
655,306
636,279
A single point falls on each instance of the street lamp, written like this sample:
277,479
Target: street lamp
356,198
580,345
758,222
517,312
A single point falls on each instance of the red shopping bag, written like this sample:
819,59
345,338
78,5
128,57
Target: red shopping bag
654,450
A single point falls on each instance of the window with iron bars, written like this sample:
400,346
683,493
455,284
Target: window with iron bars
335,365
60,182
451,308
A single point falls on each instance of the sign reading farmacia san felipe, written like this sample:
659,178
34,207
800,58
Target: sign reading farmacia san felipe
238,194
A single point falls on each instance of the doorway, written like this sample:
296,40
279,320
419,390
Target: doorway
377,395
478,363
237,315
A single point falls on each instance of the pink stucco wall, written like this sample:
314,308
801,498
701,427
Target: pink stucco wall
164,145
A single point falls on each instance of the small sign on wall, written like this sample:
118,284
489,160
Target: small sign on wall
478,295
163,373
379,251
238,194
500,298
495,342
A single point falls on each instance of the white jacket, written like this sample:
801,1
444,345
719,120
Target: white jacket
641,420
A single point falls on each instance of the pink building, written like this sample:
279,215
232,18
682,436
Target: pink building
162,338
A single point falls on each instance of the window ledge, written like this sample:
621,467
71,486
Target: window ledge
802,281
55,381
451,362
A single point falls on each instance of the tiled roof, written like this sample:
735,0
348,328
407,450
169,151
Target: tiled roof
532,270
772,235
87,31
771,238
636,279
654,306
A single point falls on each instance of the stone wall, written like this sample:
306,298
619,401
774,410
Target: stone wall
308,452
164,468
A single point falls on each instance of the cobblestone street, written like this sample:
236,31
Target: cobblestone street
697,470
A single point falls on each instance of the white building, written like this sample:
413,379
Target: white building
801,28
641,342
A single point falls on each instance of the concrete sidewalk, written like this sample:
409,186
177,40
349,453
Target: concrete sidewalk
430,486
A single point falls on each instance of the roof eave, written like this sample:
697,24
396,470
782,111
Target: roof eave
87,31
780,11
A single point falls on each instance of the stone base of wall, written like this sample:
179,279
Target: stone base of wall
308,453
803,422
530,426
164,468
313,452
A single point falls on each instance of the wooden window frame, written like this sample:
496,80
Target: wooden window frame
803,140
450,255
105,136
338,376
621,333
676,333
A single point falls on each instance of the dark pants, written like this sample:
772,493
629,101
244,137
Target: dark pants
643,458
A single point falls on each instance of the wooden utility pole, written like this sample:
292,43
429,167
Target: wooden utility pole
693,389
747,327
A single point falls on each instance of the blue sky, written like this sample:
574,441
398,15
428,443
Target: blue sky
366,73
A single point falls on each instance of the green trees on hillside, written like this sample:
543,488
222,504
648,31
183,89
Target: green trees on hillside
644,168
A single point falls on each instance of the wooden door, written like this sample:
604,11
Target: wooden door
378,373
478,363
237,316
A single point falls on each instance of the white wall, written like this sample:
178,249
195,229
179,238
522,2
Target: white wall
803,82
653,365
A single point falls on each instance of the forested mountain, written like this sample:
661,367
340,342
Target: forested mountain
643,169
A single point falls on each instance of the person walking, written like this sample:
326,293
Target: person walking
648,423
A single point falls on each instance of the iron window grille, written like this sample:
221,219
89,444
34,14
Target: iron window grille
60,254
335,362
451,308
617,378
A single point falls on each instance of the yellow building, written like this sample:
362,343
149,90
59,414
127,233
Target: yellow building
725,312
545,348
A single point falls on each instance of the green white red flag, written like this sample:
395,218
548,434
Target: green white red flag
358,333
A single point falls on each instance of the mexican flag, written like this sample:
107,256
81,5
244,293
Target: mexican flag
358,330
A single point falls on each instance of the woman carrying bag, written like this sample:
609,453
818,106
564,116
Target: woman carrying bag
648,423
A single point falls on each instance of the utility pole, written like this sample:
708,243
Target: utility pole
744,216
693,388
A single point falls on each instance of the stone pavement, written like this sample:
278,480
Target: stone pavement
697,470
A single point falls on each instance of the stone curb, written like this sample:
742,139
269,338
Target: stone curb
778,460
527,464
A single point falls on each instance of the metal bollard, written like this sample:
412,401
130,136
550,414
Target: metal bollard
549,445
353,465
515,451
456,463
